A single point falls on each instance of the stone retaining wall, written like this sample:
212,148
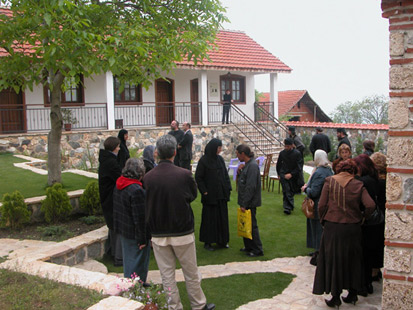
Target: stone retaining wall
81,148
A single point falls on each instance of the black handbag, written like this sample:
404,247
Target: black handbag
376,218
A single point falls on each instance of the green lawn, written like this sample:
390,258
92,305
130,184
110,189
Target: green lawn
31,184
19,291
281,235
233,291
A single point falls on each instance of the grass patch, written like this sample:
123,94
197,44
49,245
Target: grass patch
230,292
281,235
34,184
22,291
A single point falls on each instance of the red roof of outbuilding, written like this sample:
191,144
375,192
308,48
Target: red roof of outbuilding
288,99
237,51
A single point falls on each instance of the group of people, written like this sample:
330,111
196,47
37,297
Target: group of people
147,203
348,250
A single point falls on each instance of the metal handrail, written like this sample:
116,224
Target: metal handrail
269,121
244,123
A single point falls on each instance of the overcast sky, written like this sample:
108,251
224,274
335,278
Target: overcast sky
338,49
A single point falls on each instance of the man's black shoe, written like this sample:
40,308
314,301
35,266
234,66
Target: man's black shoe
243,250
209,307
288,212
251,254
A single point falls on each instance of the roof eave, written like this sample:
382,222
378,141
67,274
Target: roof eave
231,68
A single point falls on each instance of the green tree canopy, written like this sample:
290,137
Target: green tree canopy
370,110
137,40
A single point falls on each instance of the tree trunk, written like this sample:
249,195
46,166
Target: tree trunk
55,134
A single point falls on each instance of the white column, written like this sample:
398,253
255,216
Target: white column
203,95
274,92
110,101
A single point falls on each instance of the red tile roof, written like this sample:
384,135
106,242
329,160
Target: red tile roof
286,99
237,51
339,125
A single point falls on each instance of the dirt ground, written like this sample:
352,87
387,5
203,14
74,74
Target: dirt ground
51,232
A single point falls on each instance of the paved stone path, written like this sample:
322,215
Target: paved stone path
296,296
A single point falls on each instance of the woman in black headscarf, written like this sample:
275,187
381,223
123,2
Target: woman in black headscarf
123,154
148,158
215,187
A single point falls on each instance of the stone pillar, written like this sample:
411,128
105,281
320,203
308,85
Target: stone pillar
203,95
398,273
274,92
110,101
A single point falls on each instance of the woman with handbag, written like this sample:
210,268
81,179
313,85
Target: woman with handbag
340,261
313,189
372,238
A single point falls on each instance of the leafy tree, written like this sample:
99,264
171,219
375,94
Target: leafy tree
258,95
370,110
48,41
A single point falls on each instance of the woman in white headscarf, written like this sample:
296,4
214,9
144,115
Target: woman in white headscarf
313,189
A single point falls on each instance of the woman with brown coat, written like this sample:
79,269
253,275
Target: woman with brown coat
340,260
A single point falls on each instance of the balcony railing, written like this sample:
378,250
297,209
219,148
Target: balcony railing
32,118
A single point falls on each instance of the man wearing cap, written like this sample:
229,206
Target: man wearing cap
320,141
299,145
288,167
342,138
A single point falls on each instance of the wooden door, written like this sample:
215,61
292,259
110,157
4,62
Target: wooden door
165,110
11,111
195,104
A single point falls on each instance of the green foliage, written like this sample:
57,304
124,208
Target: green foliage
133,152
370,110
306,138
333,152
56,206
90,220
52,231
258,96
90,200
14,212
359,145
379,145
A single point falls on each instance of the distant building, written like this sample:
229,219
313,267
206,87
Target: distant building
298,105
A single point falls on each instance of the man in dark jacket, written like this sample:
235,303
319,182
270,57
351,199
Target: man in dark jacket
169,193
298,143
249,197
185,147
109,171
320,141
178,134
288,167
342,138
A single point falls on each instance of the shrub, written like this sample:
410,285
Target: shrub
90,220
56,206
379,145
90,200
50,231
306,138
14,212
359,146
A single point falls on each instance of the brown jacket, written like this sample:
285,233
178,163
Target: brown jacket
343,204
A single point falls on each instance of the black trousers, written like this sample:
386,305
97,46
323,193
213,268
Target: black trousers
225,113
288,194
254,245
185,164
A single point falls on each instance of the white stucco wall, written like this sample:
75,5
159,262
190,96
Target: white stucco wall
95,92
